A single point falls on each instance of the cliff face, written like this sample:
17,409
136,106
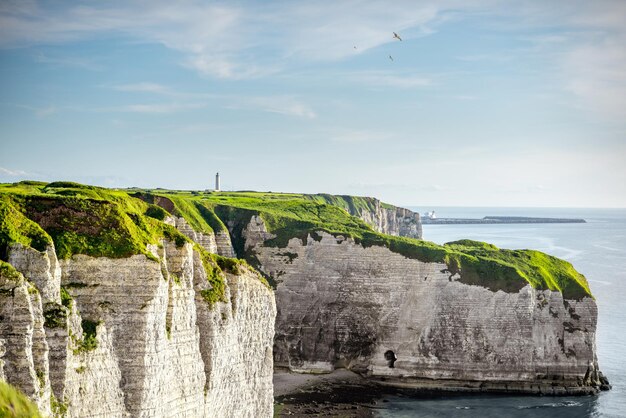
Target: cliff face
411,323
384,218
214,242
136,337
392,220
112,305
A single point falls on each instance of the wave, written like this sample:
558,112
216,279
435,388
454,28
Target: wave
564,404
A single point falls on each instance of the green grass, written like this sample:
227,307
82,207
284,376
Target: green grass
14,403
8,273
79,220
89,341
184,205
476,263
66,298
541,270
16,227
355,205
215,277
104,222
215,267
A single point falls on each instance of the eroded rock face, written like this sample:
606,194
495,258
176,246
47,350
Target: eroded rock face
43,268
218,243
411,323
24,352
161,349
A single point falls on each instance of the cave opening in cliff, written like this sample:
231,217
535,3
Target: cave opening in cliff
391,358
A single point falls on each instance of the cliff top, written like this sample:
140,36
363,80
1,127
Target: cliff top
93,221
117,223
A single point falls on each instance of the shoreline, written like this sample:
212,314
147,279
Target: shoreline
345,393
340,392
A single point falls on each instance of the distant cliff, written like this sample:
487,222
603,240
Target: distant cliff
383,217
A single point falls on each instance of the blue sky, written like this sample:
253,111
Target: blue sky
485,103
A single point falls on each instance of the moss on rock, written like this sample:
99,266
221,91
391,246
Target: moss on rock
8,273
80,220
15,227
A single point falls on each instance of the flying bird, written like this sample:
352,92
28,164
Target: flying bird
395,35
390,57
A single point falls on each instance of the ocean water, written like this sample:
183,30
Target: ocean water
598,250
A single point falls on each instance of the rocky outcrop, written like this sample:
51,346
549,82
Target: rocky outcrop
410,323
43,269
217,243
224,244
207,241
24,351
392,220
137,338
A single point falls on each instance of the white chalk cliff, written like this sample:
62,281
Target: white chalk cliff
145,335
161,350
410,323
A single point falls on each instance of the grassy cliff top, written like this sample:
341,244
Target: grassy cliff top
98,221
79,220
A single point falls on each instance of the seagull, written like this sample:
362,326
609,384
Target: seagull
390,57
395,35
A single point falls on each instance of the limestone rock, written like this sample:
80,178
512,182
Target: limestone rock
218,243
137,339
410,323
207,241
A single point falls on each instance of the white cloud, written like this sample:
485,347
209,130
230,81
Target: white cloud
12,173
389,79
155,107
224,40
596,73
284,105
40,112
247,40
360,136
68,61
143,87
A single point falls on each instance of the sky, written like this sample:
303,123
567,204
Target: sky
482,103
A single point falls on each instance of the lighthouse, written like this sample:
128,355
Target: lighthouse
217,182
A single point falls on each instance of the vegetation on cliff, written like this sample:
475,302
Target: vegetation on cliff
8,274
13,403
289,216
117,223
101,222
486,265
355,205
79,220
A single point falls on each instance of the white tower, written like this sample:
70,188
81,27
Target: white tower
217,182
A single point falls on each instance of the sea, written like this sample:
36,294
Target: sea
598,250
